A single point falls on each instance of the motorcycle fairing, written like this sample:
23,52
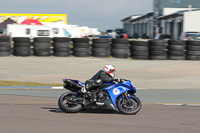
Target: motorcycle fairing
118,89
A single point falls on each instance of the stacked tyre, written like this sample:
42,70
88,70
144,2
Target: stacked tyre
193,50
22,46
100,47
120,48
140,50
5,46
61,46
176,50
81,47
157,50
42,46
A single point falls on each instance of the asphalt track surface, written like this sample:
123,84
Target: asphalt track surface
169,91
22,114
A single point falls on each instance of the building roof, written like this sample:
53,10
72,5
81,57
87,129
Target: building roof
130,17
3,25
31,21
142,17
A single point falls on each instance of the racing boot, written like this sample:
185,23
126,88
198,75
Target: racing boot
83,90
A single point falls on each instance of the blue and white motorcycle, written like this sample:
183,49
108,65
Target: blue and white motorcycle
121,95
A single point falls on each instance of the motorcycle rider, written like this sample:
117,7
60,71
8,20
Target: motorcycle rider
103,76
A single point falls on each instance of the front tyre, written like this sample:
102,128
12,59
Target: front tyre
129,107
68,106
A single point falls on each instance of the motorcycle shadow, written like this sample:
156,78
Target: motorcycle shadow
100,111
87,110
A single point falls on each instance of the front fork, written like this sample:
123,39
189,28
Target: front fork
126,96
127,100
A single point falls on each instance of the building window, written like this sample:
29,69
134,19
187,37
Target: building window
1,31
28,31
175,1
178,1
43,33
55,30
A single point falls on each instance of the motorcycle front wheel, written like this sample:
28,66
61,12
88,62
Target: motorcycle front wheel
129,107
68,106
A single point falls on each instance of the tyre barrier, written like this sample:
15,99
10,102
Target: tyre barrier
139,50
100,47
157,50
152,49
176,50
42,46
61,46
22,46
120,48
193,50
5,49
81,47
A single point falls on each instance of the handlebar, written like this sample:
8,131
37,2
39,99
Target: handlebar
120,80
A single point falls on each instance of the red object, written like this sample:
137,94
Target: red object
31,21
125,36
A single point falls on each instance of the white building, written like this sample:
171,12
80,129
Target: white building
181,21
169,17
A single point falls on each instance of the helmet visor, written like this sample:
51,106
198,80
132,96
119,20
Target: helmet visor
112,70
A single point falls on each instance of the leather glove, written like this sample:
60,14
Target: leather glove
118,80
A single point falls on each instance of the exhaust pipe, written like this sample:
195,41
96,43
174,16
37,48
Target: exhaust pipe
71,84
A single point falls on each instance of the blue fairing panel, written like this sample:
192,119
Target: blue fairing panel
116,92
80,83
118,89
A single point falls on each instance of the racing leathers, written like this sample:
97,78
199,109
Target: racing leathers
103,76
99,78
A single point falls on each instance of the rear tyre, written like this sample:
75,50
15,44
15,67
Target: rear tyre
129,108
66,106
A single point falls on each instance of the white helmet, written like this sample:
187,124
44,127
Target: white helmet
109,69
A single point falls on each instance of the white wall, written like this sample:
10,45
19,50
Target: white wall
17,30
191,21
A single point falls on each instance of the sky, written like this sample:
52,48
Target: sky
101,14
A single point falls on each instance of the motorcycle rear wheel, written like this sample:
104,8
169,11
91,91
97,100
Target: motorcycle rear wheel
130,108
66,106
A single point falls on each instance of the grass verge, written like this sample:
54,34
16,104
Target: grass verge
16,83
